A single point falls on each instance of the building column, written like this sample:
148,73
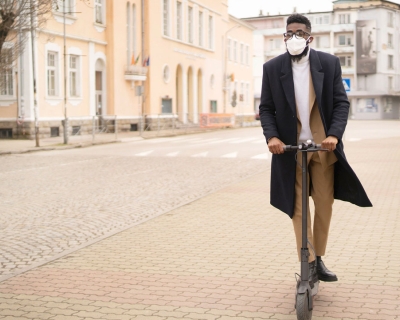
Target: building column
195,98
184,96
92,80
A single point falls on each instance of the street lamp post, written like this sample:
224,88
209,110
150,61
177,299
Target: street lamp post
65,80
225,80
35,111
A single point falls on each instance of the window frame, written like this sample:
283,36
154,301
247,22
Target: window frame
7,89
190,22
390,62
201,28
55,69
74,70
390,40
99,7
390,19
211,32
179,20
166,18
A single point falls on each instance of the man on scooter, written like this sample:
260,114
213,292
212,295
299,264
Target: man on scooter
302,99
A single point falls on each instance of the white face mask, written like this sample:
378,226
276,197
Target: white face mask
296,46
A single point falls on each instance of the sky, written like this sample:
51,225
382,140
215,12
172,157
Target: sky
251,8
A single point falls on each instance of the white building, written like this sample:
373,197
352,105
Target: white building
363,34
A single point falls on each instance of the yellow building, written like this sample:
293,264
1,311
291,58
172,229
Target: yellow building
130,62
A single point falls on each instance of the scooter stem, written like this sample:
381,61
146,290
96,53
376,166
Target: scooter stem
304,247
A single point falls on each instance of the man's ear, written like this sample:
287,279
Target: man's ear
310,39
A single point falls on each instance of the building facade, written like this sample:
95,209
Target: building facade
365,35
129,63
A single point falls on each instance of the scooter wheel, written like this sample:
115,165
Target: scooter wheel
302,311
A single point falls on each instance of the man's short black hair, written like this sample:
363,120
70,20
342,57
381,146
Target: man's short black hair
296,17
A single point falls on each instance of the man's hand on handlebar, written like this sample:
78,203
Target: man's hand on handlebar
275,146
329,143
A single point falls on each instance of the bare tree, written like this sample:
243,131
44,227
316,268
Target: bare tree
16,18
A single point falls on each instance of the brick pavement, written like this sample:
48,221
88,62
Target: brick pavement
228,255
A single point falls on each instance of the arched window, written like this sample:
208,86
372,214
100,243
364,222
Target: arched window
128,34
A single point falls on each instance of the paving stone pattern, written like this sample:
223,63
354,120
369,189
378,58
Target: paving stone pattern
228,256
53,203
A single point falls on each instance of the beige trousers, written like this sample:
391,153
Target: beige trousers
322,195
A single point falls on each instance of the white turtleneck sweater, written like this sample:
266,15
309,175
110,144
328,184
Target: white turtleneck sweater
301,79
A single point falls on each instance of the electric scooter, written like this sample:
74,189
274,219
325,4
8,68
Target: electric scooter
304,293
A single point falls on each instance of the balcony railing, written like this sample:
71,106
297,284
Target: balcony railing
136,73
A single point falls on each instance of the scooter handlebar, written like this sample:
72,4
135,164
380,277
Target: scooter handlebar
315,147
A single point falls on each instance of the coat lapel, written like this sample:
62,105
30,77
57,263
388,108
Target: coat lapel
287,82
317,75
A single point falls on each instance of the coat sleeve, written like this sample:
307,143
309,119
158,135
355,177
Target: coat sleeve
267,108
341,105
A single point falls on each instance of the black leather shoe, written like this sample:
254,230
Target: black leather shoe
323,273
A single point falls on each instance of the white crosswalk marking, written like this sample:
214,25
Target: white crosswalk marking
230,155
205,141
200,155
244,140
143,154
262,156
223,140
173,154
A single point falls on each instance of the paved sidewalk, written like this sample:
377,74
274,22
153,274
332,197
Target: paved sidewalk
229,256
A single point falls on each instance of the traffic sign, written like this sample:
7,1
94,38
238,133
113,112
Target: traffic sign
346,84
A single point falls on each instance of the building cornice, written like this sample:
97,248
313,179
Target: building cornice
73,37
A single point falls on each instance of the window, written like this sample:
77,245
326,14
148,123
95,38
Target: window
234,51
275,44
247,55
54,131
166,74
52,73
390,19
388,105
74,76
344,18
134,50
277,23
200,29
65,6
322,19
210,32
278,43
166,17
6,77
390,62
344,40
213,106
345,61
98,5
128,35
241,53
179,20
190,24
166,106
390,83
318,42
390,40
247,93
